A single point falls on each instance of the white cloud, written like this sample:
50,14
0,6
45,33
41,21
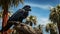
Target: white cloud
43,21
39,5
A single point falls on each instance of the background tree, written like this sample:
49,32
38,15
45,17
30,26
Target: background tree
30,20
55,16
52,28
5,4
40,28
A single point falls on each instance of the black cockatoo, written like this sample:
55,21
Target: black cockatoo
17,16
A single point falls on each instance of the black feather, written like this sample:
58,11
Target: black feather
18,16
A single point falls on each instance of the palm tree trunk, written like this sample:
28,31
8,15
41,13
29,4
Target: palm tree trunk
5,17
58,27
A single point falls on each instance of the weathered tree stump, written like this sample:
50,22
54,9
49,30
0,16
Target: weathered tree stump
24,29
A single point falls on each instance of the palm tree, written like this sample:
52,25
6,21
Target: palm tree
55,16
30,20
39,26
40,29
5,4
52,28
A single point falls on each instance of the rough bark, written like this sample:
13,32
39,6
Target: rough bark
24,29
5,16
58,28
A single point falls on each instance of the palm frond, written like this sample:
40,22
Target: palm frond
31,19
10,2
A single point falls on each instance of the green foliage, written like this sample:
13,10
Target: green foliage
52,28
10,2
55,14
30,20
